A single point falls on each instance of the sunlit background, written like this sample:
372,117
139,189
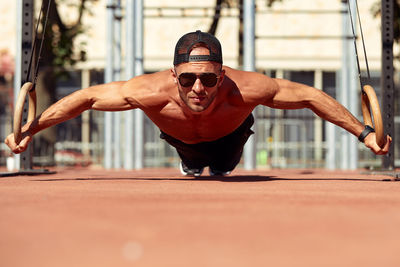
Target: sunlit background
301,40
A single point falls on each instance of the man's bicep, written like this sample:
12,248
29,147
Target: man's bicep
288,95
108,97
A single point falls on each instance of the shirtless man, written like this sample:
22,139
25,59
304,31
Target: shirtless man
202,108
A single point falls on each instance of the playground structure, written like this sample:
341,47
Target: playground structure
269,145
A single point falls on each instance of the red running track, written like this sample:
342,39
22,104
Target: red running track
156,217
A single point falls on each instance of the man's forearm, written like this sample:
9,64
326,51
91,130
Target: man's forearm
329,109
67,108
291,95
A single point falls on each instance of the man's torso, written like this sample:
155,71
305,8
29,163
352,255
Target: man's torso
170,114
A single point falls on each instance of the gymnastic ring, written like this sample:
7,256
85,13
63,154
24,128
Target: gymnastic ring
369,102
19,107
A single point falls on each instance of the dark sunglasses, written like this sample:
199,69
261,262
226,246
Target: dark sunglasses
208,79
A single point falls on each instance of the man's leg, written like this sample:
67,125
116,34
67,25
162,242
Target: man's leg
228,150
193,156
221,155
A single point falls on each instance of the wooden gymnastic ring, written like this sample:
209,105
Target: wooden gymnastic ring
19,108
369,102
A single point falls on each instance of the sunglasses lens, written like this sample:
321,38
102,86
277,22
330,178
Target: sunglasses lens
187,79
208,79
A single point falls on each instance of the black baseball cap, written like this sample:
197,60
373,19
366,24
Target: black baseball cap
186,42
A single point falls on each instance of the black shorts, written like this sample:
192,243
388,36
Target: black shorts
222,154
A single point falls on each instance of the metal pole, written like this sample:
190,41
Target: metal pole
318,133
249,65
353,93
387,81
108,77
85,131
23,52
116,77
24,25
18,64
139,116
331,162
344,82
129,73
331,155
279,132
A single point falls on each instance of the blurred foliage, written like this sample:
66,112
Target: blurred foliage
62,50
271,2
376,11
235,3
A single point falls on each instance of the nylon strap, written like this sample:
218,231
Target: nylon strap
355,42
36,70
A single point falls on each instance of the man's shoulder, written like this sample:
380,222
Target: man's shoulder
149,80
244,78
251,87
151,89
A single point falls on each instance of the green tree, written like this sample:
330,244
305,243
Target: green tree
376,11
60,52
61,49
219,5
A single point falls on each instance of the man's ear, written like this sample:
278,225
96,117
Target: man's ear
174,75
222,77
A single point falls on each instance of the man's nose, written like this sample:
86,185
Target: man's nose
198,87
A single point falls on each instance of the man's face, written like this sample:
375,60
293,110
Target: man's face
198,82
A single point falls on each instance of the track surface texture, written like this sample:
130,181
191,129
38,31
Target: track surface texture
156,217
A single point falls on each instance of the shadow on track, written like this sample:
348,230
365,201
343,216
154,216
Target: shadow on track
230,179
233,178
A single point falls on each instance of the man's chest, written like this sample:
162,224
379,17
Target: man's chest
201,127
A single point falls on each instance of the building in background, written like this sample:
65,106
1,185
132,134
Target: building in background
296,39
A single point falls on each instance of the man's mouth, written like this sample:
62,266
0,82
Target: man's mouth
197,99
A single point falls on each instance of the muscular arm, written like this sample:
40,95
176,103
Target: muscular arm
291,95
107,97
283,94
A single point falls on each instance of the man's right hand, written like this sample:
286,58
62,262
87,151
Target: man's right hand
22,146
370,142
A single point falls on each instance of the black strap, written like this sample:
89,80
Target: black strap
36,69
357,15
41,42
367,130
